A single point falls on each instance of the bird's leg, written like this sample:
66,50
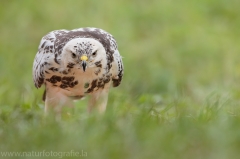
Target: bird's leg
55,101
98,100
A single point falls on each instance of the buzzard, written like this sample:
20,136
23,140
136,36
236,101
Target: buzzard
74,63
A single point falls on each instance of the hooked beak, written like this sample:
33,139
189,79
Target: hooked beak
84,64
84,58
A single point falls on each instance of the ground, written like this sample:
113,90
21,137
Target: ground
180,93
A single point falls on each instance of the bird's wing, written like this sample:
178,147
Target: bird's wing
114,59
43,58
117,69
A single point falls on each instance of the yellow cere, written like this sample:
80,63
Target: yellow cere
84,58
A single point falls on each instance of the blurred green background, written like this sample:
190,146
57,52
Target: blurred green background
180,93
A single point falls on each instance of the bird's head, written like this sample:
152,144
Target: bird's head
83,52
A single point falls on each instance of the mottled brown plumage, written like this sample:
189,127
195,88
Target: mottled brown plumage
73,64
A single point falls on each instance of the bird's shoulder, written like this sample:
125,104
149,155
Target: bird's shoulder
43,57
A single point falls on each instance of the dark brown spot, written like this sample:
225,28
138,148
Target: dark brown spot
70,65
68,82
54,69
63,86
43,44
93,85
76,82
117,82
100,84
97,72
71,84
54,79
106,80
47,48
39,82
55,59
71,78
98,64
65,72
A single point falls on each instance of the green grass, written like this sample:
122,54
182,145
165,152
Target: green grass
180,96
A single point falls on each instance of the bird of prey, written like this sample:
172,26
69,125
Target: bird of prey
74,63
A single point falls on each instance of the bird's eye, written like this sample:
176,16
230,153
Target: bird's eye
73,55
95,53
